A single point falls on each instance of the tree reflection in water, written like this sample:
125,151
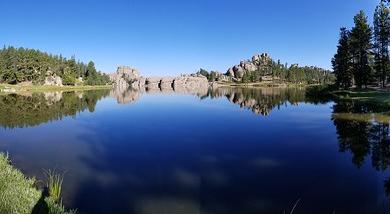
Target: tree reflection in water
260,100
364,138
18,111
362,128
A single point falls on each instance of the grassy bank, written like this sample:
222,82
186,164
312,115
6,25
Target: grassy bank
7,88
376,96
366,95
18,194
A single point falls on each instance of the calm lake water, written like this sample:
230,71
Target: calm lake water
225,151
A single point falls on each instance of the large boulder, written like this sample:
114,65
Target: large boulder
167,83
190,82
153,82
53,80
124,77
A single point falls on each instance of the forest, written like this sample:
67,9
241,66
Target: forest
362,58
19,65
264,68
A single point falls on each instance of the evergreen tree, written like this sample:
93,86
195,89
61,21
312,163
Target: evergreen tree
341,61
360,42
381,42
22,64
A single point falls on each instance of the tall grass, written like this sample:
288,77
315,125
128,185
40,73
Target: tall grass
54,183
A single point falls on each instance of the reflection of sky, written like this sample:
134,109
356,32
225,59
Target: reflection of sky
180,154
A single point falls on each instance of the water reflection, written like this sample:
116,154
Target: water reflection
18,111
363,130
177,157
260,100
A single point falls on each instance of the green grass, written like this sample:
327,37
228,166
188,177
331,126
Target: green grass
54,183
377,117
18,194
375,96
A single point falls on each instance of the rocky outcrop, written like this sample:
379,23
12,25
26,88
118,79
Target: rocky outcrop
124,77
52,79
153,82
166,83
258,63
197,81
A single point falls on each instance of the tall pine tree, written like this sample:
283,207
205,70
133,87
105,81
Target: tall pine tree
381,42
341,61
360,42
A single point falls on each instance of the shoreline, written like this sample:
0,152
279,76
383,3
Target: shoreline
21,195
8,88
378,96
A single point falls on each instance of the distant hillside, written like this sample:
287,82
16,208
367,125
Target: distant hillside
262,68
19,65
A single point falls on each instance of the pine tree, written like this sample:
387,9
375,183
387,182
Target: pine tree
381,41
341,61
360,42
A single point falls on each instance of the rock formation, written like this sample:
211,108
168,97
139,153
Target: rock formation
52,79
124,77
258,63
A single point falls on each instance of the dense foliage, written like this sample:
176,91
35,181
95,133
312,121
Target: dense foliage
362,57
28,65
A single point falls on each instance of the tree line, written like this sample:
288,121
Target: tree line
29,65
362,57
292,74
280,73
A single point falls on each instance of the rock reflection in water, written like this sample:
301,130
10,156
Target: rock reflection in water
258,100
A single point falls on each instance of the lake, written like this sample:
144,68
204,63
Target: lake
222,151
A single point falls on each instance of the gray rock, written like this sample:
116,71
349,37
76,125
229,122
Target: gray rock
124,77
53,80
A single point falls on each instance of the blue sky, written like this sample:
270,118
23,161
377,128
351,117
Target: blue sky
168,37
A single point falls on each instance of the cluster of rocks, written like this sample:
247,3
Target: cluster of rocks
258,62
52,79
127,77
124,77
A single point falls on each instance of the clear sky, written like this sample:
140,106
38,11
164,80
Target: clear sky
168,37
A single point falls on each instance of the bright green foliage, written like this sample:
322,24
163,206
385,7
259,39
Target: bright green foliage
381,42
92,77
17,193
342,61
211,76
360,42
54,183
57,207
20,65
